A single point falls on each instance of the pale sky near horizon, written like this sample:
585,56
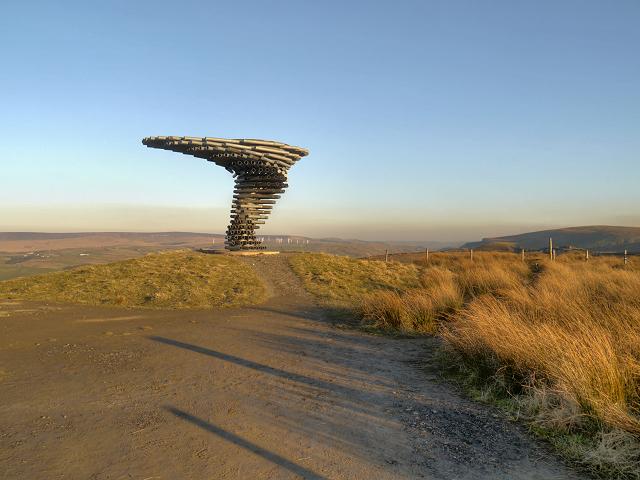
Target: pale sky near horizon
441,121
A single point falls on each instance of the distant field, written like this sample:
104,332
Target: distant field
9,272
16,265
601,238
36,242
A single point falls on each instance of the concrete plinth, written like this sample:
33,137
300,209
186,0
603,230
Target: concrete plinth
238,253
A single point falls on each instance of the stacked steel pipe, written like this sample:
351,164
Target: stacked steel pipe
260,171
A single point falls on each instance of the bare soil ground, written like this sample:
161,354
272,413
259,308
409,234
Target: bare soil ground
268,391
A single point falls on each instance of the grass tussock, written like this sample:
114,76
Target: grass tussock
572,340
577,331
411,311
178,280
411,298
338,282
342,278
485,273
444,287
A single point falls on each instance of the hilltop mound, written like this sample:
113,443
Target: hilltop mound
178,280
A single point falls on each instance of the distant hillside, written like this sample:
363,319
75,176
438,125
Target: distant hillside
431,245
596,238
36,241
498,247
25,242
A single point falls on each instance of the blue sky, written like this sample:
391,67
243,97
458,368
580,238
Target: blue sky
444,121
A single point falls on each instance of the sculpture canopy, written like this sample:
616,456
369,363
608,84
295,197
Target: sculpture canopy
260,171
223,151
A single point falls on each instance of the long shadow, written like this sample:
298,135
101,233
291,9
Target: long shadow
338,345
305,313
358,358
266,454
258,366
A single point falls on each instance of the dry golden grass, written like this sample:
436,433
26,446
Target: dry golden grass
578,328
342,279
445,284
573,339
341,283
407,297
179,280
415,310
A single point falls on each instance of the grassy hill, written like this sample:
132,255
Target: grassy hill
595,238
176,280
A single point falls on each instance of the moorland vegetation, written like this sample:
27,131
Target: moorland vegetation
556,343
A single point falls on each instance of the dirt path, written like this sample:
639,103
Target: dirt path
270,391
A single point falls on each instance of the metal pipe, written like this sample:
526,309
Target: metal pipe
259,169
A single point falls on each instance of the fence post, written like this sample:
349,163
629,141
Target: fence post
471,254
586,258
427,254
625,257
550,249
386,255
523,254
553,256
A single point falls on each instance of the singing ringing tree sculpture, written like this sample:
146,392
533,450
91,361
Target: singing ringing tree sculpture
260,171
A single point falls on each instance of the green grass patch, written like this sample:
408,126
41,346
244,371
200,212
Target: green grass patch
177,280
9,272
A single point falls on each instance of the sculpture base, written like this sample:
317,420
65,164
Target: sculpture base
236,253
